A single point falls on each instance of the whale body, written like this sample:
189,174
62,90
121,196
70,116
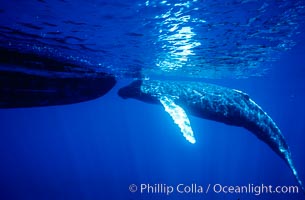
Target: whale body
211,102
33,80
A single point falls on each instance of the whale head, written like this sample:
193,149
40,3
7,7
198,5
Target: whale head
134,91
131,91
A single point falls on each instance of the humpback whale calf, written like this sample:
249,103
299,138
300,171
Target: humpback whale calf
212,102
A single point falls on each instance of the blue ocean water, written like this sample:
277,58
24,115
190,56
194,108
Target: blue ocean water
97,149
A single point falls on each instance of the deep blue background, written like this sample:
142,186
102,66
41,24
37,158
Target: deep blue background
94,150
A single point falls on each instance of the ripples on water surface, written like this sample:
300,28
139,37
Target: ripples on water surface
195,38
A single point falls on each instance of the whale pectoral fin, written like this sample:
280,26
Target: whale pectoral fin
180,118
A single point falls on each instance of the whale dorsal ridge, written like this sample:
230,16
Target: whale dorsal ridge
245,95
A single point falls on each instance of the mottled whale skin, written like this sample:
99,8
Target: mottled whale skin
216,103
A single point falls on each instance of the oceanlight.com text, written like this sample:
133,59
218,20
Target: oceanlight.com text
194,188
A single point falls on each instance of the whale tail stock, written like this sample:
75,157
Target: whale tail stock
263,126
285,154
295,173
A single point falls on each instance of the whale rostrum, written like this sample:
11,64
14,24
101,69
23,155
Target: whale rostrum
212,102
